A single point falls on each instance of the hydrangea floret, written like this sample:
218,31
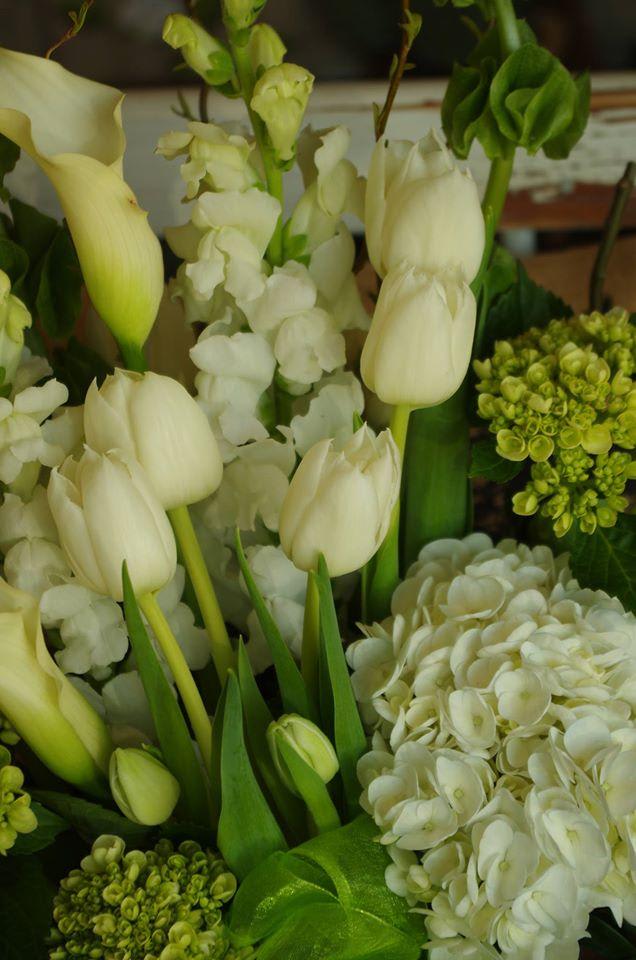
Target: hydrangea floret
162,904
564,397
16,815
502,702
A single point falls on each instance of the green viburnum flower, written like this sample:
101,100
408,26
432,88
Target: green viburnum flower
564,396
164,904
16,815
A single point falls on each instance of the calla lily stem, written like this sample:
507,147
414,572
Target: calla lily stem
222,653
183,678
133,356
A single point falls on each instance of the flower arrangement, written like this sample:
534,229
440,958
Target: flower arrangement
265,689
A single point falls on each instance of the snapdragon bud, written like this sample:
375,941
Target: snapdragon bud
309,742
240,14
14,318
154,420
265,48
339,502
280,99
143,788
202,52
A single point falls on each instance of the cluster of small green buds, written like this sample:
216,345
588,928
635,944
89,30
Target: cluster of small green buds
162,904
16,815
8,735
564,397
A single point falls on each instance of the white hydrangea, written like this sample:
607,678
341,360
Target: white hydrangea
502,774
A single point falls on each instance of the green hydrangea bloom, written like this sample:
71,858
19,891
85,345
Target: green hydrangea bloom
16,815
162,904
564,397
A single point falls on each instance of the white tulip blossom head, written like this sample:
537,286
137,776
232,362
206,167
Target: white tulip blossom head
501,775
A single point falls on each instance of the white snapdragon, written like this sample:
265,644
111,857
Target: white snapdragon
217,160
22,438
91,628
502,770
327,411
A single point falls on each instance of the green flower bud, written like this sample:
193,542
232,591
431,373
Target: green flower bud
308,741
511,446
525,503
265,48
597,439
280,99
143,788
202,52
7,734
540,448
16,815
242,13
14,319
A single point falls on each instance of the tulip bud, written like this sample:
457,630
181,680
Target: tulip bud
201,51
309,742
242,13
143,788
339,503
155,421
107,512
41,704
421,209
265,48
280,99
72,128
418,347
14,317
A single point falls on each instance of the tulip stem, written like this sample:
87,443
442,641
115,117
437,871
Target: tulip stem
201,726
311,640
222,653
385,574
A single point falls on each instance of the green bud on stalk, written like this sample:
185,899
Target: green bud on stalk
308,741
16,815
143,788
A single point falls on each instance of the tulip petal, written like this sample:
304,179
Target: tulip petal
72,128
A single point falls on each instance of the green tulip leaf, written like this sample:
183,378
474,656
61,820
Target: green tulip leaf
348,735
248,831
90,819
291,684
311,788
176,744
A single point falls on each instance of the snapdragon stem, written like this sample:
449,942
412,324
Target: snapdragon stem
385,574
222,653
201,726
310,654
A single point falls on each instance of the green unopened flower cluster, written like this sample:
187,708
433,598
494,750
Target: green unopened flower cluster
7,734
164,904
564,396
16,815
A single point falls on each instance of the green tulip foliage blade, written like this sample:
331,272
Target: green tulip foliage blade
48,828
257,719
275,888
292,686
215,765
605,559
312,789
437,493
248,830
349,737
89,819
174,738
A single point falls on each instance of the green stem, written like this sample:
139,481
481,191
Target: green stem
386,563
133,356
201,726
507,26
222,653
310,656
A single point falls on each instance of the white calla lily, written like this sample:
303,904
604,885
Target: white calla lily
72,128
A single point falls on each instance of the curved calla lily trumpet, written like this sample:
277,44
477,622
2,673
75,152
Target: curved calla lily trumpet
72,128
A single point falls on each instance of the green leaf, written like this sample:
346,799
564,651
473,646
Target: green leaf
257,719
15,263
48,828
174,738
292,686
523,305
348,735
466,112
90,819
609,942
606,559
437,493
248,831
31,229
411,26
26,907
532,97
9,156
59,294
560,147
496,279
311,788
77,365
486,462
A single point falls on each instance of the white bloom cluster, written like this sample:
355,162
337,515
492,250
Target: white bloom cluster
503,766
271,354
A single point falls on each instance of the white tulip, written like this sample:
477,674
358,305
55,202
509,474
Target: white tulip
423,209
154,419
107,512
421,336
339,503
